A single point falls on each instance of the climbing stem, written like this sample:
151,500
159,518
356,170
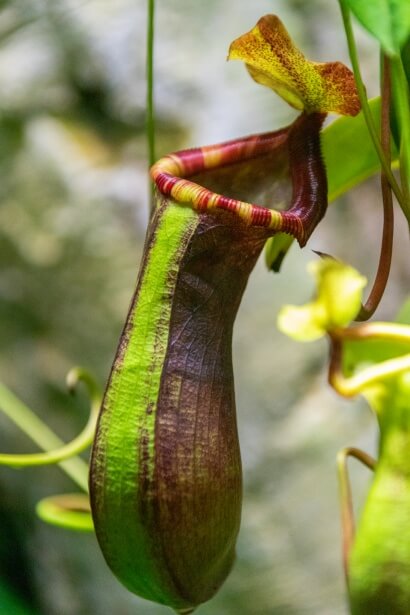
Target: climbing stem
386,249
150,109
366,109
401,101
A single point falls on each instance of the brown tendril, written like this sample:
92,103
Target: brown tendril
383,270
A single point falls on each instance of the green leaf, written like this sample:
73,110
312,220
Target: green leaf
401,106
276,249
387,20
405,58
11,603
348,152
403,317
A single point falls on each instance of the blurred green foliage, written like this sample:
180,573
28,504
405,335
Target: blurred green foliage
73,210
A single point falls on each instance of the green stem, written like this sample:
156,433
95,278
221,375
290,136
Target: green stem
366,109
41,434
78,444
401,101
150,118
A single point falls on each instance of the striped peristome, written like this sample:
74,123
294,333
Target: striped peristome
165,479
309,201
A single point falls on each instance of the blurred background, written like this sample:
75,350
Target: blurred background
73,212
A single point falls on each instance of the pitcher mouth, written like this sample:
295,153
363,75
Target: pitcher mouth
171,172
298,144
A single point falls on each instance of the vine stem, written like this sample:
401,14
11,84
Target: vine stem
41,434
401,99
386,249
150,110
366,109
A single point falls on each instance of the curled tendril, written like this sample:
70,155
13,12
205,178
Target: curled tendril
70,511
79,443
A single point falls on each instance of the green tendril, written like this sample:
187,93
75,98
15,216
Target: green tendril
69,511
56,450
